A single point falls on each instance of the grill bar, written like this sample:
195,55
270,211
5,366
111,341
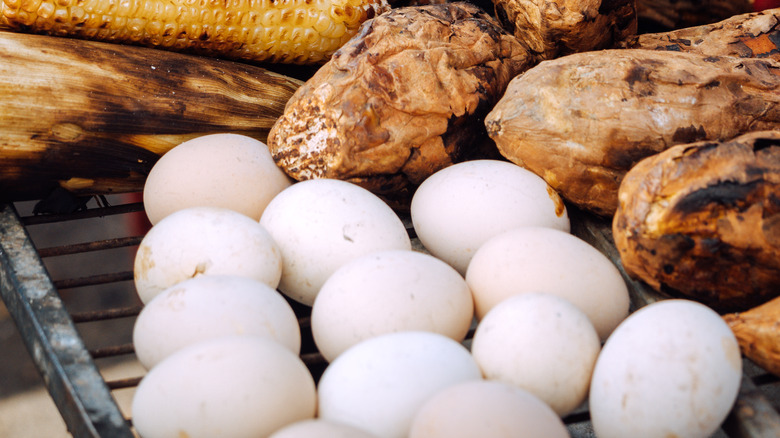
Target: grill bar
90,246
94,280
101,315
113,350
73,380
84,214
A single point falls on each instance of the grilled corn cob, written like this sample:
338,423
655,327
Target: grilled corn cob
93,117
284,31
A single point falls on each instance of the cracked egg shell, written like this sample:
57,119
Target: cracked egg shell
204,241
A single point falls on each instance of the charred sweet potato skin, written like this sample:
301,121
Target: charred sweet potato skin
404,98
553,28
758,334
702,221
751,35
583,120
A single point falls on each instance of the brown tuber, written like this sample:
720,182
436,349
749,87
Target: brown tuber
402,99
702,221
758,333
583,120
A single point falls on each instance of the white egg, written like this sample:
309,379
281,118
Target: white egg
487,409
321,224
540,259
226,387
541,343
390,291
672,368
380,383
219,170
210,306
204,241
319,428
457,209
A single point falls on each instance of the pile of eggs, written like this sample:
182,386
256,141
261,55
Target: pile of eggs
234,242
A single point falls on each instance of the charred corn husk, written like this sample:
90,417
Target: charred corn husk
93,117
284,31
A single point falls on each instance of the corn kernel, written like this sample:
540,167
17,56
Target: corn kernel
248,29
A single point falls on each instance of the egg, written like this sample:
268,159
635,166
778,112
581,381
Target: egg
319,428
484,408
204,241
210,306
389,291
238,386
224,170
541,259
672,368
380,383
541,343
321,224
457,209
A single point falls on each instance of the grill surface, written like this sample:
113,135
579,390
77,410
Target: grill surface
76,324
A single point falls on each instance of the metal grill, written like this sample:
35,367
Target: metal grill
54,331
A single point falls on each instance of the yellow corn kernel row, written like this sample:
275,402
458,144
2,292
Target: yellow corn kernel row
285,31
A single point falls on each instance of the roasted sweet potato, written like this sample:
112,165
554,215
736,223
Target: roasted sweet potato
404,98
702,221
582,120
753,35
758,333
552,28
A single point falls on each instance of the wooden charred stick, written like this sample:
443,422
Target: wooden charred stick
583,120
702,221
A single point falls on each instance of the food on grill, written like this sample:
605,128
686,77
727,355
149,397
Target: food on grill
229,171
583,120
702,221
317,427
204,241
672,368
657,15
752,35
458,208
94,118
298,32
758,333
389,291
537,259
211,306
552,28
542,343
235,386
379,384
486,408
405,97
321,224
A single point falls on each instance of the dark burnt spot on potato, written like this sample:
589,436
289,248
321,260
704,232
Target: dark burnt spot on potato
689,134
765,143
729,194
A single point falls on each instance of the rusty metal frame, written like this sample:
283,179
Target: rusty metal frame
68,370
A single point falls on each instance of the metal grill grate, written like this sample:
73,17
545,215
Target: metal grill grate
55,331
